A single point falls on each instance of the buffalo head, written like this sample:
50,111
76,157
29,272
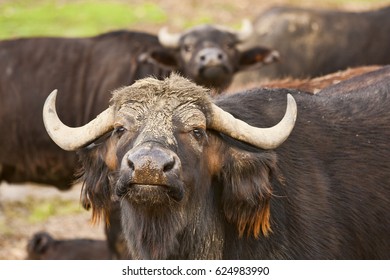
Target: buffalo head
209,55
160,148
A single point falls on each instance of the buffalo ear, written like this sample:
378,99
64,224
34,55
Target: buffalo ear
247,190
257,57
40,243
161,57
96,190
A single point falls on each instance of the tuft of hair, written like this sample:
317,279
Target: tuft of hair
39,244
247,191
94,175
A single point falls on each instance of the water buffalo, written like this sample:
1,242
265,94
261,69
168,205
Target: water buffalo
314,42
43,246
310,86
199,179
209,55
85,70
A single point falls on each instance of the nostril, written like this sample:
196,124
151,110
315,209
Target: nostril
130,163
202,58
220,56
169,166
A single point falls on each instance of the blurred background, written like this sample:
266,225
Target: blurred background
90,17
26,209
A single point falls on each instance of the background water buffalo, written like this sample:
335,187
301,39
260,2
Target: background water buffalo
314,42
43,246
86,70
309,85
322,194
209,55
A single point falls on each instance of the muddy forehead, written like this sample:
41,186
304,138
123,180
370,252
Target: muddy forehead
159,106
160,110
172,93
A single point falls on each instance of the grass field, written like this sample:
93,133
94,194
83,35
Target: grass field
89,17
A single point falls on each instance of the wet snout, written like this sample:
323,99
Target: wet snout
213,68
150,176
152,164
209,57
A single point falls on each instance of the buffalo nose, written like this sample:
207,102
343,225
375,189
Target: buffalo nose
151,164
211,57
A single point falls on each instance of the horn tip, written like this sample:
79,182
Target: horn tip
246,22
52,96
163,29
291,103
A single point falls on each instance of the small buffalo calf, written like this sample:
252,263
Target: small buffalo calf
43,246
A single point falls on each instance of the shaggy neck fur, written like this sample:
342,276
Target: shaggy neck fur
192,230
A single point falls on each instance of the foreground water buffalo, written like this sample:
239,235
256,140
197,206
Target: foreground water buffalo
314,42
43,246
195,182
310,86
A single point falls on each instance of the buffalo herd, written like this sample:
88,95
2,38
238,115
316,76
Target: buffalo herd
186,158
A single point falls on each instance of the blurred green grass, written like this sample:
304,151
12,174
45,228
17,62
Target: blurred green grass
81,18
73,18
42,210
34,211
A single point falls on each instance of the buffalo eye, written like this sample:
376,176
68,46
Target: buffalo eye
198,133
119,130
230,45
187,48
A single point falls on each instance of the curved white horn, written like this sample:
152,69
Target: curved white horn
265,138
246,30
73,138
169,40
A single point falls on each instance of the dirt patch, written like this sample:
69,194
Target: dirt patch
27,209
